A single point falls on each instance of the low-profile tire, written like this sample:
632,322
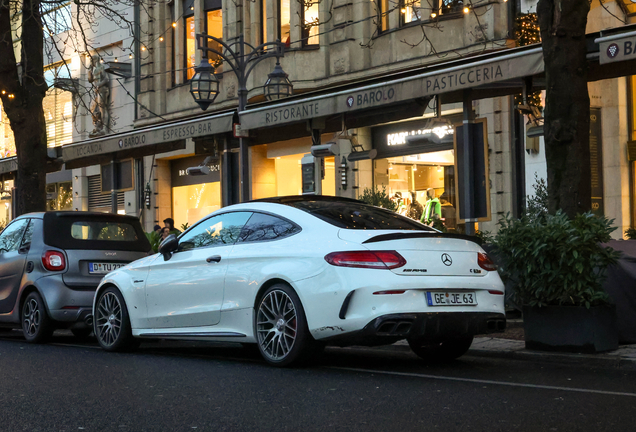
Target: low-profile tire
37,326
280,327
82,333
112,323
448,349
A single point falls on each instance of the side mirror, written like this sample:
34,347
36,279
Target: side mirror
168,245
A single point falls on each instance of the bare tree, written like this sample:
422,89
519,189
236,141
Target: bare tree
30,40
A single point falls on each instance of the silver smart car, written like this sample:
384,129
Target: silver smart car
51,264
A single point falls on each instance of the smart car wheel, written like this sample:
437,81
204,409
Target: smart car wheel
36,324
281,327
448,349
112,324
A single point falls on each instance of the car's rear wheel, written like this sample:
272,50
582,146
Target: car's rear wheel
447,349
36,323
281,327
112,323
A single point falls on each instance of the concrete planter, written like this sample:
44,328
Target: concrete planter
570,328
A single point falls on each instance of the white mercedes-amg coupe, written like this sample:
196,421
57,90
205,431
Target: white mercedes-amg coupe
293,274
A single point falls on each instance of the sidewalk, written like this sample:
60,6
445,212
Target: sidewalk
623,358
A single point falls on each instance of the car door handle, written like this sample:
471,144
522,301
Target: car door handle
215,258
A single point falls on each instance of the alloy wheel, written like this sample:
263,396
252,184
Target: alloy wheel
31,317
109,319
276,325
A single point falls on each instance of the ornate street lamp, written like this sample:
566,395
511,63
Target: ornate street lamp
277,86
204,86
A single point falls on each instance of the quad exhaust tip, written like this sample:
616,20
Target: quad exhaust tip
89,320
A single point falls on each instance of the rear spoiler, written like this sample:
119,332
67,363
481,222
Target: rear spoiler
401,236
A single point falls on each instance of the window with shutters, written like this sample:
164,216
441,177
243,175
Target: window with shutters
101,202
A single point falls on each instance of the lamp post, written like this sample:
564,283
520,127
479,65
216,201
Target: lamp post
204,86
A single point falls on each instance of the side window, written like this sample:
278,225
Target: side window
262,227
12,235
218,230
28,234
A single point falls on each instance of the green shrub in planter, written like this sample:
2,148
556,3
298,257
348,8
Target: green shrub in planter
552,260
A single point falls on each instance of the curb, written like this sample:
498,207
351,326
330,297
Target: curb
593,360
615,361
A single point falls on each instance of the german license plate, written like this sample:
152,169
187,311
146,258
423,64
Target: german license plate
465,298
103,268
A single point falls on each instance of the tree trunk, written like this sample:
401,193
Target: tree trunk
30,139
567,112
24,110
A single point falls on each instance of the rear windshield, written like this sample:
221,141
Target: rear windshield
351,215
99,230
70,230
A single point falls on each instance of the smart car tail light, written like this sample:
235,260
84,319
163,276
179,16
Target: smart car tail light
53,261
366,259
485,262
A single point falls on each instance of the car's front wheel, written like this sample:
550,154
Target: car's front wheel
112,324
447,349
36,323
281,327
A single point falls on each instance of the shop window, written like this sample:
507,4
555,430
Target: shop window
7,141
410,11
58,109
264,21
383,15
59,196
192,202
284,16
311,22
190,47
451,6
214,27
414,180
274,175
56,18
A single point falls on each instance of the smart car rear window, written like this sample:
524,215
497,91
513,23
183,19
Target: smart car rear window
94,231
351,215
100,230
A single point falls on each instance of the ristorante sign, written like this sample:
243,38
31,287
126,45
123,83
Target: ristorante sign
163,134
483,72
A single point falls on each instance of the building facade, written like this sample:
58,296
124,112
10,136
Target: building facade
380,89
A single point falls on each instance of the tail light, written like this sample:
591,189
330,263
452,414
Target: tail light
485,262
53,261
366,259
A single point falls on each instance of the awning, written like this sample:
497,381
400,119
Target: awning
483,70
8,165
617,47
149,137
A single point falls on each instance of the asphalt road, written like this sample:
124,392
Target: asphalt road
72,386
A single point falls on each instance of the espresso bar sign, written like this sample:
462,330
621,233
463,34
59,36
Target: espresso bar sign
159,135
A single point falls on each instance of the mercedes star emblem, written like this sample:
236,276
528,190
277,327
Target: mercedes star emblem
446,259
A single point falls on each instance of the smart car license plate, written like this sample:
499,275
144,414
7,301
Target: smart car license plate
103,268
464,298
